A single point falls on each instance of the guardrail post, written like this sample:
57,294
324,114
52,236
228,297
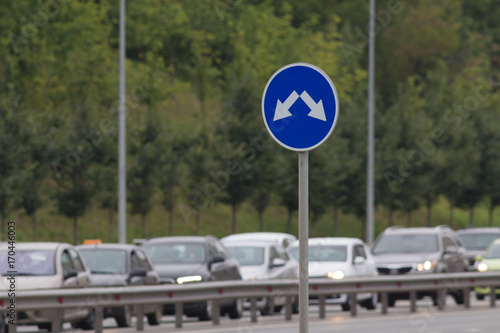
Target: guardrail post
413,300
288,308
139,315
56,321
321,306
493,296
216,312
178,315
467,297
253,309
384,298
354,303
99,315
441,298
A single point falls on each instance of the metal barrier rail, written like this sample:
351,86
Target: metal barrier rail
138,296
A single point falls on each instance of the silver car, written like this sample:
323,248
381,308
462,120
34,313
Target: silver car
47,266
263,260
115,265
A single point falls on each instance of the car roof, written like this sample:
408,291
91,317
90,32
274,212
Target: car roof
249,243
264,236
114,246
177,239
331,241
36,245
413,230
479,230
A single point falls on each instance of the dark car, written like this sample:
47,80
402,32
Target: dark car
476,240
194,259
400,250
113,265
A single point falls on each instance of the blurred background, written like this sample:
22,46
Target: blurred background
199,159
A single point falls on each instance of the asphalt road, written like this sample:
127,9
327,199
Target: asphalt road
480,318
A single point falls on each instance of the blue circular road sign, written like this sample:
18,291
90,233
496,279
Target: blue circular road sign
300,106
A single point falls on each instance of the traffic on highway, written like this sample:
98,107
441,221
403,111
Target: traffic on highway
253,259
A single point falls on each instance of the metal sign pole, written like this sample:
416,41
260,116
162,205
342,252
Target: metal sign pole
303,241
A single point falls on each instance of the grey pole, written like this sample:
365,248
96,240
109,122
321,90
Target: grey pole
303,241
370,188
122,171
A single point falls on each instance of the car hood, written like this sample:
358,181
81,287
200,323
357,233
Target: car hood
108,280
473,253
32,282
175,271
403,258
253,272
493,264
321,269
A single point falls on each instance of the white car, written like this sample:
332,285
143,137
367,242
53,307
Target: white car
46,266
281,238
338,258
263,260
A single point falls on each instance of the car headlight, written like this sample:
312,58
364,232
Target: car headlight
482,267
426,266
186,279
337,275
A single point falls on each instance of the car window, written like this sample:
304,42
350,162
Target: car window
105,261
220,249
282,253
248,255
143,259
66,263
406,243
135,262
77,262
448,241
323,253
477,241
176,253
272,253
32,262
212,250
359,251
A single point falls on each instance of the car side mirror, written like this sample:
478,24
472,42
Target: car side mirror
141,271
216,259
451,249
358,260
277,262
70,274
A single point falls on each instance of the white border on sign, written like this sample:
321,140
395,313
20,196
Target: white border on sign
335,94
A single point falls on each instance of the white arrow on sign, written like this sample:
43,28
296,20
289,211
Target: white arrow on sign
317,110
282,108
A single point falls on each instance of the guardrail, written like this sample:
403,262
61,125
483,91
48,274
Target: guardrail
139,296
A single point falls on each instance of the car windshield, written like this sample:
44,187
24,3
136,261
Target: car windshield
493,252
176,253
407,243
27,262
477,242
105,261
323,252
248,255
